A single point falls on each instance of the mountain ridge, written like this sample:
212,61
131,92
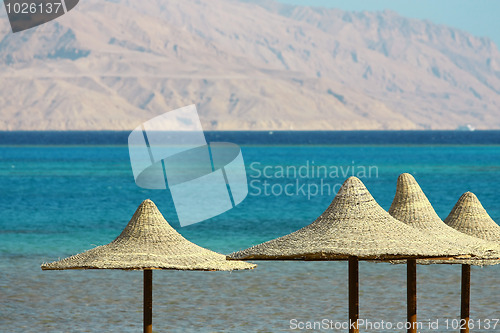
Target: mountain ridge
111,65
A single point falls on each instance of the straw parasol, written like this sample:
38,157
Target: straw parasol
354,227
148,242
469,217
411,206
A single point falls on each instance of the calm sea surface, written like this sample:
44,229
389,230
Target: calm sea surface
63,193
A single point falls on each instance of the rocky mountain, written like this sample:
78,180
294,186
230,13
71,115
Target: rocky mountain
248,65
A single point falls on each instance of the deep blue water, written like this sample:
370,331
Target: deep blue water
62,193
266,137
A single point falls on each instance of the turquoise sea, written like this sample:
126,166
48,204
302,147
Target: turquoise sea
63,193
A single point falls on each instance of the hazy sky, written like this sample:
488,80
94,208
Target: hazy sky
479,17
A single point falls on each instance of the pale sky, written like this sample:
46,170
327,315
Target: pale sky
479,17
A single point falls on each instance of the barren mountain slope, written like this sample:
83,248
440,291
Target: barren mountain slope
247,65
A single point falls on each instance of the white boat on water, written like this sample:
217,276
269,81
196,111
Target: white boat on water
467,127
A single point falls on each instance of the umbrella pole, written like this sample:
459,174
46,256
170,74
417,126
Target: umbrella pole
353,294
465,308
148,301
411,273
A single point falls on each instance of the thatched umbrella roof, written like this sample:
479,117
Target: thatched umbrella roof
149,242
469,217
411,206
353,225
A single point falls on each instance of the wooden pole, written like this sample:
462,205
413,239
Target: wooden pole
411,273
148,301
465,307
353,294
